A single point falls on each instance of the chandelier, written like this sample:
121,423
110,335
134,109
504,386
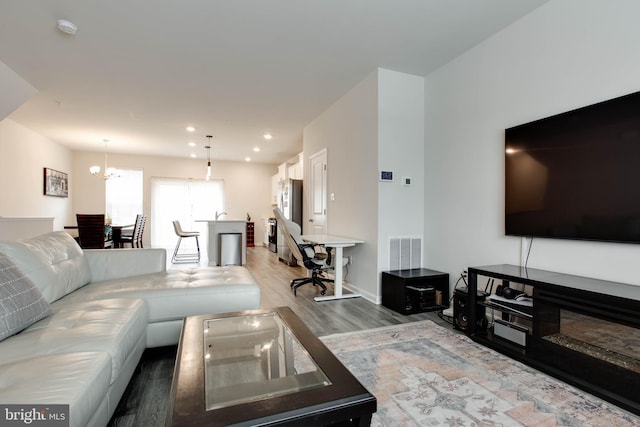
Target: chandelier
108,172
208,148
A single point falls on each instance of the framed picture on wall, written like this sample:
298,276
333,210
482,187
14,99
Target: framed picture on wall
56,183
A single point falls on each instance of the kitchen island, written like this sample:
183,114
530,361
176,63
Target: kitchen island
218,232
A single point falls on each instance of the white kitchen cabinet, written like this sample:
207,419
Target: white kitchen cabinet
295,170
274,189
283,172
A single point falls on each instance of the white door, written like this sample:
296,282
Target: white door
318,193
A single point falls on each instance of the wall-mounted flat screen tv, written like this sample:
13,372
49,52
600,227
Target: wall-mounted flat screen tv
576,175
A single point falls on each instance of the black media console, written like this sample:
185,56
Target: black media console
581,330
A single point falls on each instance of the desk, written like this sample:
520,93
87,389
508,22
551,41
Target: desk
337,242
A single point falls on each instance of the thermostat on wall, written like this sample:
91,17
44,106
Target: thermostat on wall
386,176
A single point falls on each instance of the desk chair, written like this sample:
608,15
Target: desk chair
92,233
185,257
135,238
316,262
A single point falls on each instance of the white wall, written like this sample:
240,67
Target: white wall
377,124
24,153
23,156
401,150
349,131
564,55
15,90
247,185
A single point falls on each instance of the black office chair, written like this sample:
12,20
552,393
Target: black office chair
92,232
135,238
315,261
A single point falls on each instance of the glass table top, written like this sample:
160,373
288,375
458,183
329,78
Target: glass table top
249,358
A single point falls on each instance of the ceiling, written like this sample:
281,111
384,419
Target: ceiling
138,72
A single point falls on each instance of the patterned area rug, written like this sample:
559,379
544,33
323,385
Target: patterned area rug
425,375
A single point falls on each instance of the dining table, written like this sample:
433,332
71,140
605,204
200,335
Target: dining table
116,232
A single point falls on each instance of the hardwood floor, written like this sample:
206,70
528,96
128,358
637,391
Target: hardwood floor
323,318
145,401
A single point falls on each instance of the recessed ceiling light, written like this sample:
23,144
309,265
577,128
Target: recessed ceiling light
192,144
190,129
67,27
192,155
268,136
247,159
256,149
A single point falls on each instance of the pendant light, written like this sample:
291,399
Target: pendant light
108,172
208,147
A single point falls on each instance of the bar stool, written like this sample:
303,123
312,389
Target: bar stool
185,257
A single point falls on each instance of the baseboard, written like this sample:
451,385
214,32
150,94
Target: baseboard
350,287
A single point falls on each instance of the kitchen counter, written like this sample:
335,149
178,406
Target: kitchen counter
220,227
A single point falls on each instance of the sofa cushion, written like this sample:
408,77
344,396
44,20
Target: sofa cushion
79,380
53,261
107,264
21,303
114,326
177,293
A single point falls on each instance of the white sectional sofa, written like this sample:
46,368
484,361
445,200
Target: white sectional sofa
74,323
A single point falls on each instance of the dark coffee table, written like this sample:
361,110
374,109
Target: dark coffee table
261,367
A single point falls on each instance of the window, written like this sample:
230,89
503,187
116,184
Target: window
124,197
186,201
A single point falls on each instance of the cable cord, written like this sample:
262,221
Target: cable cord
526,261
441,315
463,278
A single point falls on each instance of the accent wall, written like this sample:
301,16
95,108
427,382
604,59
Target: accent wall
564,55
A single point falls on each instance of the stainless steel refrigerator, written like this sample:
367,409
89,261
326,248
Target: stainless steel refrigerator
290,203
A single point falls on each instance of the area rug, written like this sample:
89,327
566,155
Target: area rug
425,375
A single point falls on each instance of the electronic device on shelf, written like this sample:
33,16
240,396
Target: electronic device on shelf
510,331
420,297
461,315
522,306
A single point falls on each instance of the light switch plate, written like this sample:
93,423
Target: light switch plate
386,176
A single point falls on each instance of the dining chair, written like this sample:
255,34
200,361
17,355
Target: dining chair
135,238
315,262
184,257
92,232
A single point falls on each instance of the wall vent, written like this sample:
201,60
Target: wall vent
405,253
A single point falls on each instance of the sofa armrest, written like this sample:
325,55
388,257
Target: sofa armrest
109,264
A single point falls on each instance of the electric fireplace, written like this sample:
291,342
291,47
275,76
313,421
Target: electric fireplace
592,340
582,330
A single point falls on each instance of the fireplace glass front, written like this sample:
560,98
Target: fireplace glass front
607,341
